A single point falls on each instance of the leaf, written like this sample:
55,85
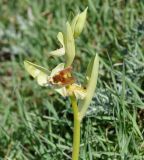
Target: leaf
37,72
91,81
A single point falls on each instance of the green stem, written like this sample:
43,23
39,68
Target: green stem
76,132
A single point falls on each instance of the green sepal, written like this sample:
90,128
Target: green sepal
37,72
69,45
61,51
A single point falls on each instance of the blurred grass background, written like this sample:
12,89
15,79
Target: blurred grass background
35,122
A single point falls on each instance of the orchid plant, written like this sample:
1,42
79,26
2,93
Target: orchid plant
62,80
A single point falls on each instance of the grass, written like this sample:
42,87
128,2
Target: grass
36,123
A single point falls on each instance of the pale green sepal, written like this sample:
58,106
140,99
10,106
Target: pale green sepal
31,68
92,75
58,52
60,38
61,51
37,72
69,45
58,68
78,23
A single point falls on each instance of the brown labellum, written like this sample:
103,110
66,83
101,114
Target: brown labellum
63,77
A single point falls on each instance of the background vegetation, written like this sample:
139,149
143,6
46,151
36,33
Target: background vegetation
35,122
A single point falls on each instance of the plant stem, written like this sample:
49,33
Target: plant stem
76,132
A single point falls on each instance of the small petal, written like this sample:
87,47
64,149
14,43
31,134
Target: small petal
58,68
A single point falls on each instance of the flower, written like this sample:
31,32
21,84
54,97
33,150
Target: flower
73,30
59,78
68,45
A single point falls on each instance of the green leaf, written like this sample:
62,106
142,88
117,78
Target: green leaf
69,45
37,72
90,81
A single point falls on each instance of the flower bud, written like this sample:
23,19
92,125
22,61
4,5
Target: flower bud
78,23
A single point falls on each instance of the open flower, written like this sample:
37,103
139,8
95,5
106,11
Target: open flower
59,78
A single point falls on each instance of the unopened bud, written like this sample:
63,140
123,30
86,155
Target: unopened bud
78,23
